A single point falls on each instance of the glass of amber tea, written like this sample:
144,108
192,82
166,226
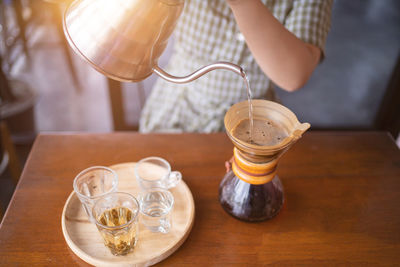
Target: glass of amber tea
116,218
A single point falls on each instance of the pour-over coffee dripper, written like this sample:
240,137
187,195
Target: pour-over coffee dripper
251,190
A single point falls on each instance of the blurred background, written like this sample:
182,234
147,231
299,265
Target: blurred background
45,87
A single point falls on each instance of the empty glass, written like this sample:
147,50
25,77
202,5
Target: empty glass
116,218
155,207
93,183
156,172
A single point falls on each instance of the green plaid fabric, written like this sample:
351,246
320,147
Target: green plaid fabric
207,32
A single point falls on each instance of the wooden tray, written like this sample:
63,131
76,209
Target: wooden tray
85,241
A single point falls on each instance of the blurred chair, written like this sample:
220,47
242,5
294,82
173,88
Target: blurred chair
14,106
9,157
388,117
12,40
57,7
13,33
17,101
117,105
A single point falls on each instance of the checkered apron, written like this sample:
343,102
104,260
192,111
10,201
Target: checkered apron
206,33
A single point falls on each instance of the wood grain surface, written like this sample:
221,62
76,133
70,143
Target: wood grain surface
86,242
342,194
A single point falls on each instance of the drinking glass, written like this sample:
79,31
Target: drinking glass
156,207
155,172
93,183
116,218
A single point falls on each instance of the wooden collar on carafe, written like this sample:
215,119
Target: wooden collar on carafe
253,173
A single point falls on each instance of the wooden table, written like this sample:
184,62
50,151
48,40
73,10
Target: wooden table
342,200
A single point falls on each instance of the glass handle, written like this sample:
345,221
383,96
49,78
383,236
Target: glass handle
174,178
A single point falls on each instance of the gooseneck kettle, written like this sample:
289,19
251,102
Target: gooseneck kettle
123,39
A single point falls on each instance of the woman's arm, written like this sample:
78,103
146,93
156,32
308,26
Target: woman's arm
285,59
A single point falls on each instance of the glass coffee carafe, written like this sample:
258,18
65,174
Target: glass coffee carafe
251,190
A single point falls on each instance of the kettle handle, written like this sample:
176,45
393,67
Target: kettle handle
200,72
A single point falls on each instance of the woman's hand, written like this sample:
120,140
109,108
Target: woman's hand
228,165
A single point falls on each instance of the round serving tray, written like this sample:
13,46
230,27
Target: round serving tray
85,241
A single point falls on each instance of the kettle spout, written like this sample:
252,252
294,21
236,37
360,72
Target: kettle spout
200,72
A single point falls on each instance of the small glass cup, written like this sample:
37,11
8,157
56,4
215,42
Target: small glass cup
116,218
156,207
155,172
93,183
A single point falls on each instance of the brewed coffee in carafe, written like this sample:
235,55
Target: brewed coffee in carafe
251,190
